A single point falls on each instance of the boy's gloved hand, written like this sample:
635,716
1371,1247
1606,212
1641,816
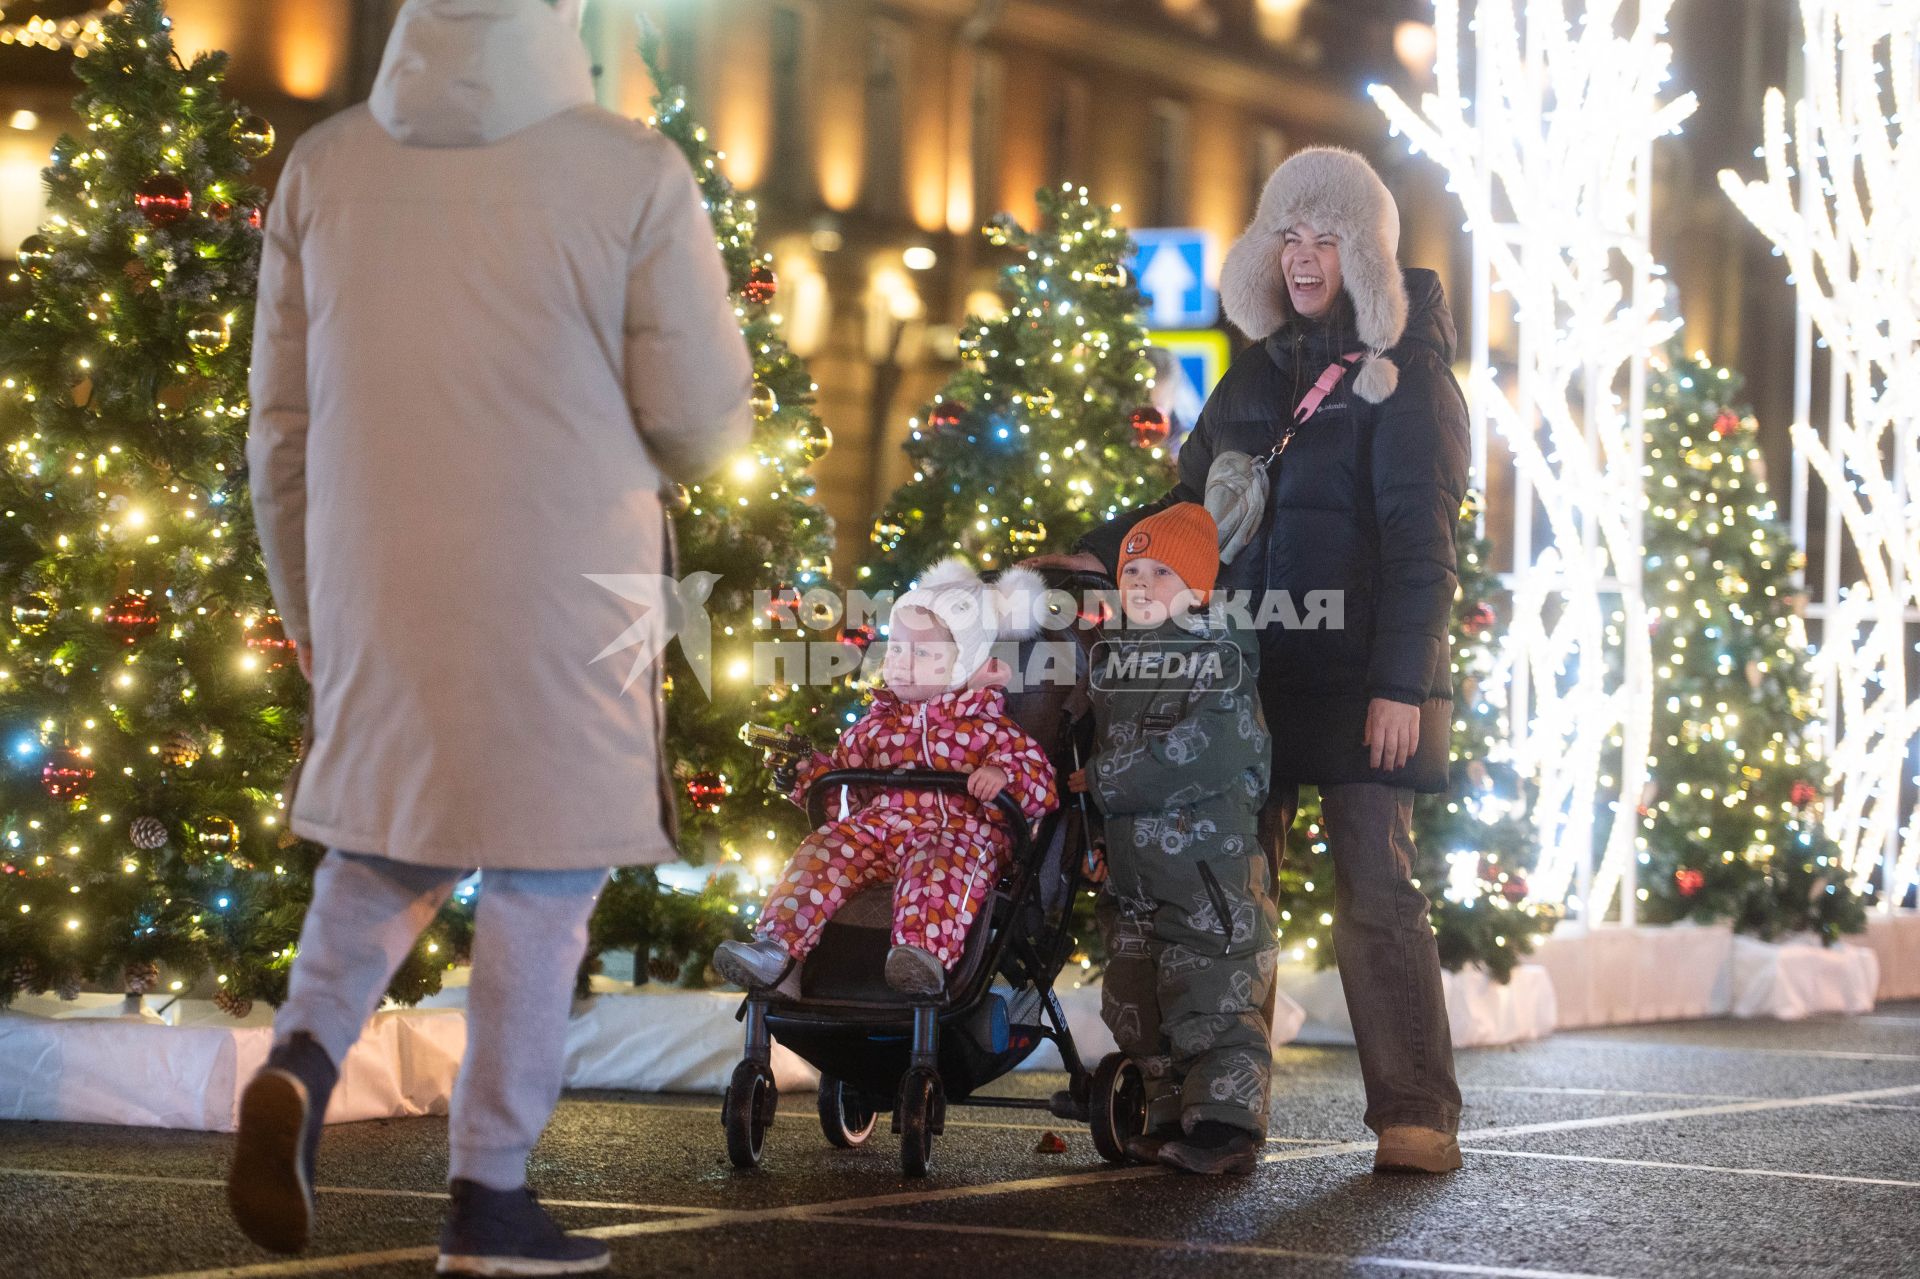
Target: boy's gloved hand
985,784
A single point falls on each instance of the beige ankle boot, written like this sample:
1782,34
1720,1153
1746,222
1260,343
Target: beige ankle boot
1405,1148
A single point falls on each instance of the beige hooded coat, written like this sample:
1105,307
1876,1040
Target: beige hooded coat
492,322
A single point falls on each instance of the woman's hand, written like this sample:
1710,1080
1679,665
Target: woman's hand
1077,781
1083,562
985,784
1393,732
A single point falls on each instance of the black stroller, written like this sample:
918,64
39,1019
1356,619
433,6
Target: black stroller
878,1050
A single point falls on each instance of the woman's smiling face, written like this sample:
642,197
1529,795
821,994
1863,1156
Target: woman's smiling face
1310,260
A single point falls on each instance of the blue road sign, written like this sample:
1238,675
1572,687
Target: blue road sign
1200,359
1171,269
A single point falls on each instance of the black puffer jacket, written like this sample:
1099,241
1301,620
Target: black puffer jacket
1364,501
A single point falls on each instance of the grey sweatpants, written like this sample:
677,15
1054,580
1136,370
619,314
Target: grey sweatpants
530,931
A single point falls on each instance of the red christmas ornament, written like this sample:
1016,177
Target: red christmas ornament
1150,427
164,199
1515,889
1803,794
1480,619
761,285
1689,881
706,790
132,617
946,416
1726,424
268,638
67,775
860,637
221,210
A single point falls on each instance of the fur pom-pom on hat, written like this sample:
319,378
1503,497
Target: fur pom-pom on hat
979,614
1332,190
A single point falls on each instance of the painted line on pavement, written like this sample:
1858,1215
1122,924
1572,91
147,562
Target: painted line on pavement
1217,1249
1679,1167
1691,1112
722,1218
219,1183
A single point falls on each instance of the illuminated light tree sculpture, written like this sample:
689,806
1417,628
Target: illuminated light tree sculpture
1551,159
1837,199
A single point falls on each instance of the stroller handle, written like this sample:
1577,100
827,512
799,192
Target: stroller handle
915,778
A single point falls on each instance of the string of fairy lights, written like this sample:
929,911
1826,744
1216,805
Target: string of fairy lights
80,34
1840,183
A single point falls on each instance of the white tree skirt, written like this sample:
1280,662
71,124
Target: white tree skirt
88,1063
1617,976
1798,978
1480,1011
1613,976
94,1061
1894,938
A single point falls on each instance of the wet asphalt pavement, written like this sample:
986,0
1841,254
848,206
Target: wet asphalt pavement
1700,1148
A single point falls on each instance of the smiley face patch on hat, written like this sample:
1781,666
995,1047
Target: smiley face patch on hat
1136,543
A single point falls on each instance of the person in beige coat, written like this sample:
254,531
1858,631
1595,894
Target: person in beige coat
492,324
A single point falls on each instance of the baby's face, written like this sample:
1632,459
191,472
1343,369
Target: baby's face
1150,593
920,655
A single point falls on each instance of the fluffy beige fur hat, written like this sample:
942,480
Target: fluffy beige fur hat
1332,190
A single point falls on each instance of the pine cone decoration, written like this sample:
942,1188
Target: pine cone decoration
147,833
232,1004
663,970
142,977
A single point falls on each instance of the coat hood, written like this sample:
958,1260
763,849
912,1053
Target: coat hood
462,73
1338,191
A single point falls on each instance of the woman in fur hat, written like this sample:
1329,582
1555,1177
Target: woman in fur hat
1337,449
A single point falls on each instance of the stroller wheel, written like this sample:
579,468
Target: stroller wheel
747,1113
845,1117
919,1120
1119,1106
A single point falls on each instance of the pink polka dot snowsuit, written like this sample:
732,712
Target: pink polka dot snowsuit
943,850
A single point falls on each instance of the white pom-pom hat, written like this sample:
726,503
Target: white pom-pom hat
978,614
1332,190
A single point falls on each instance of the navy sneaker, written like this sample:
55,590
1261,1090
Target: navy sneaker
507,1232
270,1184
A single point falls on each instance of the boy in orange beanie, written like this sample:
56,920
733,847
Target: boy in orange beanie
1180,772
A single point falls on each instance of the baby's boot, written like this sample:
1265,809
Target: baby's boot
759,965
913,971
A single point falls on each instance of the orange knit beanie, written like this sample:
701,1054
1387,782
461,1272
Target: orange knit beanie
1184,538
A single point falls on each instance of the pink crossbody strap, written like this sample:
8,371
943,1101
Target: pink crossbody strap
1324,387
1311,402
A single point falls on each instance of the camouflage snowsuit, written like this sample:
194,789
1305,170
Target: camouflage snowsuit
1180,772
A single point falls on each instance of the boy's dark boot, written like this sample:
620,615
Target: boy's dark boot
507,1232
1213,1149
270,1183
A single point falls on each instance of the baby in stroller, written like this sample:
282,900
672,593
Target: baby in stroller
943,707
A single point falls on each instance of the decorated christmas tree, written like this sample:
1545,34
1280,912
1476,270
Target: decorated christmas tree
754,535
1045,430
150,704
1472,841
1730,826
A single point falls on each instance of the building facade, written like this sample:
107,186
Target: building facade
877,135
